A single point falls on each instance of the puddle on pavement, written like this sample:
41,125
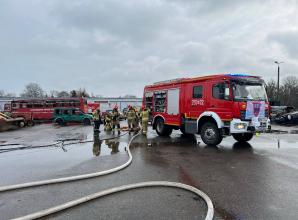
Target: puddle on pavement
279,132
294,132
284,132
21,165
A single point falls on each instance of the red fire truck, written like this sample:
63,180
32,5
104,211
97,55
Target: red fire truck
212,106
42,109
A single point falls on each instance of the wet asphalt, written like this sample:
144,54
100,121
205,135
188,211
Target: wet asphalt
257,180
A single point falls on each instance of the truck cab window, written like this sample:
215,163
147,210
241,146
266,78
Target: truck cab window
221,91
197,92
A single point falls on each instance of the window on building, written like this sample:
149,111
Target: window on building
197,92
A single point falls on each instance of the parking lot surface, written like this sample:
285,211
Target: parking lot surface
257,180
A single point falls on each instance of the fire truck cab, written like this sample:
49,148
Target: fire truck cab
213,106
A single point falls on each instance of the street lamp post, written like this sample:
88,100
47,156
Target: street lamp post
278,71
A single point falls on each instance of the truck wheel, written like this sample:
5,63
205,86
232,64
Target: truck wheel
21,124
30,123
210,134
162,129
86,121
243,137
59,121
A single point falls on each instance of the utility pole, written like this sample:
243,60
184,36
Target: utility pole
278,72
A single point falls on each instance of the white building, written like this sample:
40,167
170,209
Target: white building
109,103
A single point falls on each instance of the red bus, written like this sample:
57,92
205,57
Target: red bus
42,109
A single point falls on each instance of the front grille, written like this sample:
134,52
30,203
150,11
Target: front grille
243,112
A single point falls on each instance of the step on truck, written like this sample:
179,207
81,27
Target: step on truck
213,106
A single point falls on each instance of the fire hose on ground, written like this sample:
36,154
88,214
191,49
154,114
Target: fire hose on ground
46,212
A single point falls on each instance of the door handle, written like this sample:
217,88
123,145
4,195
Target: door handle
212,106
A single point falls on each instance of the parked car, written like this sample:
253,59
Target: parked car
64,115
289,118
277,111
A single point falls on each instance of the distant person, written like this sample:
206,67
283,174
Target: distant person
97,120
131,118
116,120
108,122
144,119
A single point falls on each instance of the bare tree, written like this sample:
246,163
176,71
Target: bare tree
73,93
79,93
271,90
2,93
82,93
53,93
63,94
289,91
33,90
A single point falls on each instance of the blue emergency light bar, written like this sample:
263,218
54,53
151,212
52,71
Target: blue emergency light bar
238,74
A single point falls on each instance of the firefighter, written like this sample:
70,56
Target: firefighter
137,120
116,120
97,120
144,119
131,118
108,122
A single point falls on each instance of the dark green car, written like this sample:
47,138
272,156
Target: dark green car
64,115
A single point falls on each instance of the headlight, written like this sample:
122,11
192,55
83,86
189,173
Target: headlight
240,126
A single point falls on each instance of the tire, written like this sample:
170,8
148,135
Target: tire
21,124
59,121
162,129
86,121
30,123
210,134
243,137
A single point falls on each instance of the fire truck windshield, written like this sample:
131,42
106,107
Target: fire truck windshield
245,92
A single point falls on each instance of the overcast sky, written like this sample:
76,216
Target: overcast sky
115,47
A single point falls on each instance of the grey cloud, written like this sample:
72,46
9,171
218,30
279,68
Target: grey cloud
132,20
115,47
287,40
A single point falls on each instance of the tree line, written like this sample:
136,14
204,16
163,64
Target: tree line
288,91
34,90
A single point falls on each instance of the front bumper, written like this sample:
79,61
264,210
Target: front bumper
252,126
